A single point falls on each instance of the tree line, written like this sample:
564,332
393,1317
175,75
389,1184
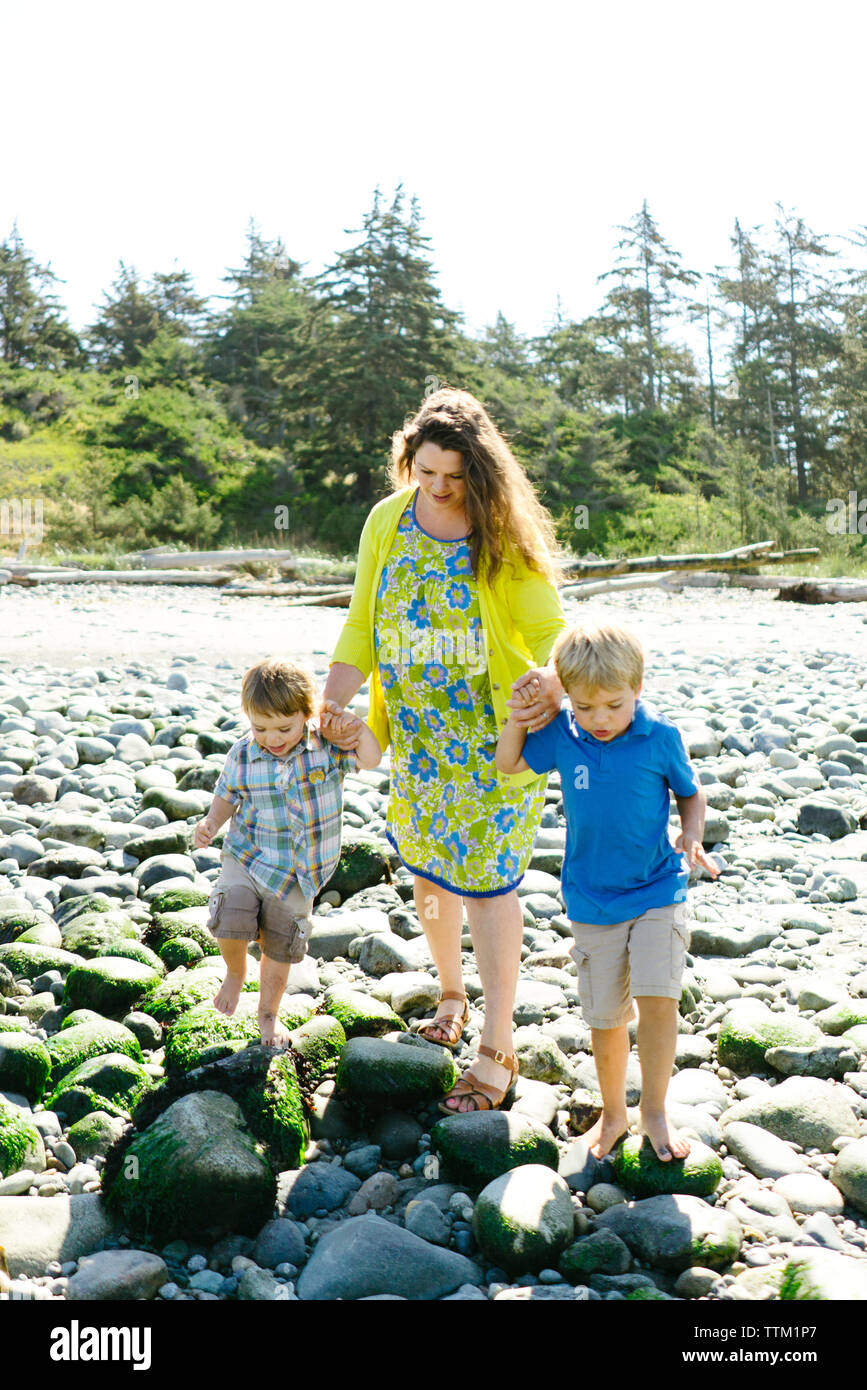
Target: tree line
177,418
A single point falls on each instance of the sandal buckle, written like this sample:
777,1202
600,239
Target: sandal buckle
500,1058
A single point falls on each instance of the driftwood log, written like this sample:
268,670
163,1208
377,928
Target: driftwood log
61,576
636,581
761,553
790,586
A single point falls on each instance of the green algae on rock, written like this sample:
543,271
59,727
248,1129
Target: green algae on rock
477,1147
21,1143
364,862
111,1081
379,1073
177,899
275,1113
91,931
181,990
186,922
204,1025
317,1045
523,1220
180,950
109,984
72,1046
24,1064
196,1171
30,960
639,1171
359,1014
749,1030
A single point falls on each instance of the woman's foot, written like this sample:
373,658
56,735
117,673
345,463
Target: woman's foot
606,1134
271,1030
447,1026
667,1143
484,1086
227,996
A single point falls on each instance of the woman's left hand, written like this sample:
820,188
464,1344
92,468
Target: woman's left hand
549,693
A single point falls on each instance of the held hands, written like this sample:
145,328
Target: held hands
535,699
204,833
340,726
692,847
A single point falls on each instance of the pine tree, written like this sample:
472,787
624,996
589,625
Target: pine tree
33,332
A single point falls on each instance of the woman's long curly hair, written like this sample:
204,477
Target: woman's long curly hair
503,511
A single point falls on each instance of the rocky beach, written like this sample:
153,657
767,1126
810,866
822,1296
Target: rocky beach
151,1149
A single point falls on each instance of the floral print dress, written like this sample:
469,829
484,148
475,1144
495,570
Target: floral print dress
449,818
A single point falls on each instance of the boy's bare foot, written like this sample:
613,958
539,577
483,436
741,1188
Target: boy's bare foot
271,1031
606,1134
667,1143
227,996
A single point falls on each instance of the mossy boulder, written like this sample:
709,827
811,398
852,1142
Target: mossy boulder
360,1015
479,1146
363,862
197,1171
82,904
72,1046
21,1143
187,922
14,921
602,1252
203,1025
381,1074
317,1045
93,1135
675,1231
200,777
839,1018
177,900
109,984
523,1220
29,960
750,1029
24,1064
42,934
180,950
90,932
72,1020
640,1172
276,1115
135,950
112,1082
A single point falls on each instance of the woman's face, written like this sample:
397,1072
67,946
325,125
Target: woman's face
440,475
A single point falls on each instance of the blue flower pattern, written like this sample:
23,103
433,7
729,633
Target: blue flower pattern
448,813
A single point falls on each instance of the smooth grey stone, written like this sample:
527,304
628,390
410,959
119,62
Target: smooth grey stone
319,1186
808,1193
34,1231
117,1274
764,1154
673,1232
813,1113
424,1218
764,1210
824,1274
280,1241
850,1174
367,1255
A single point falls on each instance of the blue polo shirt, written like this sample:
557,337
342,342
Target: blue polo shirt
619,860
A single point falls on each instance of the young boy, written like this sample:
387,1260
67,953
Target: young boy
624,885
285,788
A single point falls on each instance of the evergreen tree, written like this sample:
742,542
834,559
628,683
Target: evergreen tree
33,332
135,314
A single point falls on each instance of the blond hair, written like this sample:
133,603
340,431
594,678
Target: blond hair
502,508
278,687
599,656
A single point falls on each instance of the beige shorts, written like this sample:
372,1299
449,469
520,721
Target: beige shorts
241,910
644,955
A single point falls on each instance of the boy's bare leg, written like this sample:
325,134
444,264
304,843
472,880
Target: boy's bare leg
273,975
234,954
610,1053
657,1042
441,914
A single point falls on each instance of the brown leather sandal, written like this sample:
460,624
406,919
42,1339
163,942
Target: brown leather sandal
450,1024
483,1095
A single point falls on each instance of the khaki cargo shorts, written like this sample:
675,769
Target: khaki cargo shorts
241,910
622,960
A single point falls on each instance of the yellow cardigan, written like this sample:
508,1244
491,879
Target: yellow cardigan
521,616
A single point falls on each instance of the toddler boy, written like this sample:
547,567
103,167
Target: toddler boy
283,787
624,884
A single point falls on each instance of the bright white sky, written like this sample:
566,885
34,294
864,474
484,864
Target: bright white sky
152,133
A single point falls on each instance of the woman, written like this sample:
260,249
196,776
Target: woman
454,603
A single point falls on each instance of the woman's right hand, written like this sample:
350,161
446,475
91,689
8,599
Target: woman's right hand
340,726
204,833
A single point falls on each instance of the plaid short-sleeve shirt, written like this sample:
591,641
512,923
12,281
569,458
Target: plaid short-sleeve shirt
286,825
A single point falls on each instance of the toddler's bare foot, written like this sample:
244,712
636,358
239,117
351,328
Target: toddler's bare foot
606,1134
227,996
271,1030
667,1143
